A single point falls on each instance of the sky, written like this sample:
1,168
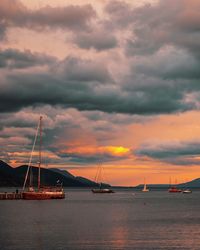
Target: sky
117,84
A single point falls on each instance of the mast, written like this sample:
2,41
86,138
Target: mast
40,153
145,186
30,160
99,175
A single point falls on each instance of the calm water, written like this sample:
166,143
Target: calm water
154,220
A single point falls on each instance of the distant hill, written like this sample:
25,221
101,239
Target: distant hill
84,180
191,184
10,177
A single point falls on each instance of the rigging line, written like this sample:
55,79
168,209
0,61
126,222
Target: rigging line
100,173
40,152
31,177
95,179
29,164
97,174
98,178
104,175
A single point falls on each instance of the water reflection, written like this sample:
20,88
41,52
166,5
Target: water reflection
119,237
84,221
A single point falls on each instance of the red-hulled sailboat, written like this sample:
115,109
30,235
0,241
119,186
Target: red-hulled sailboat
174,189
40,193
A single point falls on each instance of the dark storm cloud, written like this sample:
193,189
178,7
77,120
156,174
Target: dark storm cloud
155,84
38,89
87,85
12,58
71,83
14,14
155,95
183,153
173,22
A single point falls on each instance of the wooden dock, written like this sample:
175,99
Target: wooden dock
10,196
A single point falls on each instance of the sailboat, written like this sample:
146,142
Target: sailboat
40,193
145,189
98,179
174,189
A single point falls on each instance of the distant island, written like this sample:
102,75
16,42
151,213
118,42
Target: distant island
14,177
194,184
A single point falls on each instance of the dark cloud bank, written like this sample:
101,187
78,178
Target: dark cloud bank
182,153
88,85
162,53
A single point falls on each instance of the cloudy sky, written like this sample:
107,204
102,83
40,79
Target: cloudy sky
117,83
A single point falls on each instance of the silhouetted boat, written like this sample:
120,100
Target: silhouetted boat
98,178
102,191
41,193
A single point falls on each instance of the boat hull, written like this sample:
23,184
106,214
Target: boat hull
187,192
42,195
174,190
102,191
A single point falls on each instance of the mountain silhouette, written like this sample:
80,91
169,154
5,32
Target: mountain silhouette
10,177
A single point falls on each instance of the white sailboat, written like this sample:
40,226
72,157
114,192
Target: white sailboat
145,189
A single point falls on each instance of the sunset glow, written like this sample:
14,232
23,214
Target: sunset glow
100,150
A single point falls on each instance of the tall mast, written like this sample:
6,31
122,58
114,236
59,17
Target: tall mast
40,153
145,186
29,164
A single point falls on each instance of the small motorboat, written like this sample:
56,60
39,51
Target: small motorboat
187,191
102,191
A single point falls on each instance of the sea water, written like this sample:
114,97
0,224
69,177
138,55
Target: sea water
85,221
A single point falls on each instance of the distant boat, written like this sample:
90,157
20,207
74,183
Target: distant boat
174,189
102,191
187,191
145,189
98,179
41,193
